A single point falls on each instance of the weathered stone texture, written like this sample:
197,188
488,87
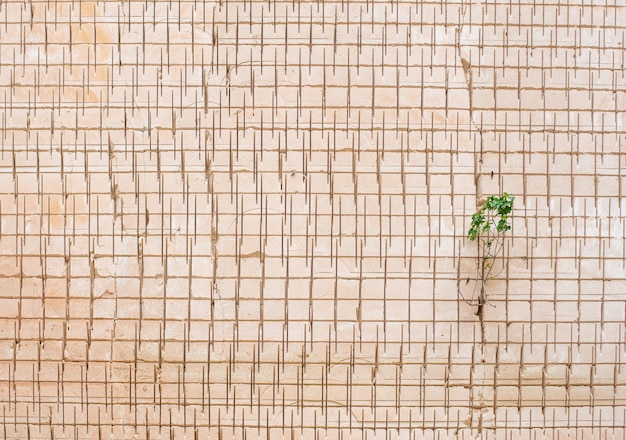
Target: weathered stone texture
247,219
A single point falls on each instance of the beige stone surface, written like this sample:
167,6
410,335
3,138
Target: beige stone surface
246,219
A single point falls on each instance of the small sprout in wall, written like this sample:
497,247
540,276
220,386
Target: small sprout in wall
489,227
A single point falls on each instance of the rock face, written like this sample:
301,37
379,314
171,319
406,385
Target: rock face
247,219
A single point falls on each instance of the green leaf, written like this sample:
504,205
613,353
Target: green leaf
495,211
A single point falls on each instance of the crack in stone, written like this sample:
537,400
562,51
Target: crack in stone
467,71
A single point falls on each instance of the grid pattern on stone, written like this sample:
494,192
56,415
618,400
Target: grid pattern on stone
247,219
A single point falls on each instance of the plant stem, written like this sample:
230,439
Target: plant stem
482,298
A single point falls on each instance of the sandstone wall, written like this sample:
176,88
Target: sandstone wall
247,219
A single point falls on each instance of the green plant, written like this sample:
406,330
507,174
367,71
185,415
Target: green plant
488,229
495,212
